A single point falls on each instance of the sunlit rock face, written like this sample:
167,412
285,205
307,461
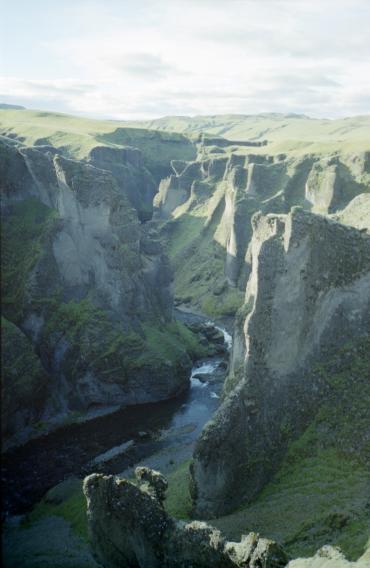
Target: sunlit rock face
209,204
307,295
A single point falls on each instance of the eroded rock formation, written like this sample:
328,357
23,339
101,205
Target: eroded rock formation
308,294
129,527
85,281
209,204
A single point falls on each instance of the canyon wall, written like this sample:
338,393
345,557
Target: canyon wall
206,207
85,283
307,296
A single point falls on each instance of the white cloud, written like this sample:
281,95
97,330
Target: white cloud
150,58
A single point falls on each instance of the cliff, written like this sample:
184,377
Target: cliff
206,207
86,283
307,296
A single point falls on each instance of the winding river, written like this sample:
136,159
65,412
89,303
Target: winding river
159,435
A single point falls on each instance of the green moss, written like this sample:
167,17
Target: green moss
72,509
178,502
23,379
171,342
183,231
93,340
21,368
23,233
226,304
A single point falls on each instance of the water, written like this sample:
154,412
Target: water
163,434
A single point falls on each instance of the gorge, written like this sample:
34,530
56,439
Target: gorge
191,296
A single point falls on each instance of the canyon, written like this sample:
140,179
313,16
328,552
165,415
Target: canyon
119,243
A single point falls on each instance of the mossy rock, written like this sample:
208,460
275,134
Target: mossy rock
24,382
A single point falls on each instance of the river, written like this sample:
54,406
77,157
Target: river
159,435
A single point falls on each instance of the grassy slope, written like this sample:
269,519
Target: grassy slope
77,136
196,248
285,132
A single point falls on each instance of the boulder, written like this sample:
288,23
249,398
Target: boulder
129,527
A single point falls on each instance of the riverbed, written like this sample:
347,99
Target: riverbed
159,435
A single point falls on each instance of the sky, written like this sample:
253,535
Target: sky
142,59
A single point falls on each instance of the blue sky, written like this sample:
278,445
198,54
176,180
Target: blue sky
148,58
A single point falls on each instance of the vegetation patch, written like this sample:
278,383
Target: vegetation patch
92,340
171,342
178,502
72,509
23,233
320,494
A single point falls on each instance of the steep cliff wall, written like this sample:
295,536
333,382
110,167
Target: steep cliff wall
87,283
308,294
206,208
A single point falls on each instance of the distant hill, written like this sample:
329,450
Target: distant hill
284,132
11,107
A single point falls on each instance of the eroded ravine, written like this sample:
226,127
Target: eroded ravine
160,435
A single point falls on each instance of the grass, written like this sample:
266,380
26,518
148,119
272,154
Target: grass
112,353
23,234
285,133
319,500
171,341
320,493
76,136
226,305
197,252
72,510
178,502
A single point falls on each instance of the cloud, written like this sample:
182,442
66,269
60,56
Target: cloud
143,64
142,60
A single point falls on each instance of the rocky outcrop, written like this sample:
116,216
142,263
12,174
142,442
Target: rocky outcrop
24,383
176,190
334,181
129,527
307,295
356,214
330,557
132,178
86,282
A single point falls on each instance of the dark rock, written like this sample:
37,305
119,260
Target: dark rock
129,527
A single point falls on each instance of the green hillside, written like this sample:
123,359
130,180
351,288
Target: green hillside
284,132
75,136
293,133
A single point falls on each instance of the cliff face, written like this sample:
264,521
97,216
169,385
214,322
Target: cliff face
88,285
308,294
132,178
209,204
